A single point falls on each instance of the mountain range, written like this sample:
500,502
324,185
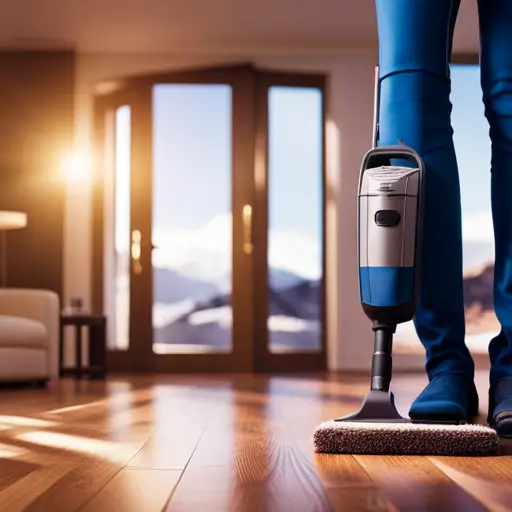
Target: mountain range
170,286
292,293
478,289
290,297
294,304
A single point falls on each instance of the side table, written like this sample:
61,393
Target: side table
97,345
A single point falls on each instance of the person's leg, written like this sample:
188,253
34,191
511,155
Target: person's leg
496,76
415,39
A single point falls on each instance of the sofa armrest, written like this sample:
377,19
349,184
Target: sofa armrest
39,305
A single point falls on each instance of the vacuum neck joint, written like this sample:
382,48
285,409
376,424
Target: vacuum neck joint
382,361
386,327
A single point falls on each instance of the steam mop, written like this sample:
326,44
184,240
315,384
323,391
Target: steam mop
390,218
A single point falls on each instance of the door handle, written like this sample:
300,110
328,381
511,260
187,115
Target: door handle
247,220
136,251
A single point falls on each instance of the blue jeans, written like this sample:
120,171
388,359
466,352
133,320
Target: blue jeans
415,45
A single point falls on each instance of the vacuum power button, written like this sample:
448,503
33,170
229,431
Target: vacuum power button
387,218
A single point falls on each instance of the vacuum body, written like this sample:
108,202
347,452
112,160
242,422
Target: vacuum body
390,227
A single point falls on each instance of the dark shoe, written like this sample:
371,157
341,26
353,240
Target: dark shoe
499,416
448,397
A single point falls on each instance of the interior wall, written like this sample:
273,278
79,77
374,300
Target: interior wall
36,112
349,136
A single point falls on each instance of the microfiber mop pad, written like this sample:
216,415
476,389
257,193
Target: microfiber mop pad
406,438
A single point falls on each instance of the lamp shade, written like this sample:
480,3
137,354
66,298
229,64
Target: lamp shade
12,220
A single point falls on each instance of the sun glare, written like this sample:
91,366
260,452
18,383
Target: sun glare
76,166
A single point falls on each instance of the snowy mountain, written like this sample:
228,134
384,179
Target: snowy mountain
169,287
477,255
294,319
205,254
478,289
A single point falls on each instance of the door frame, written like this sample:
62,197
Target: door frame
249,151
265,361
121,360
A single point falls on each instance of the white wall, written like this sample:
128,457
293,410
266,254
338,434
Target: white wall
350,112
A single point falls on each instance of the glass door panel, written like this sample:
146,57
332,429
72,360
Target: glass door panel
116,211
295,219
122,170
191,218
113,277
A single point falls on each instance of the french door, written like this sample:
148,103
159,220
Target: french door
209,221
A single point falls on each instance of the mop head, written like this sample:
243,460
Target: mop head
405,439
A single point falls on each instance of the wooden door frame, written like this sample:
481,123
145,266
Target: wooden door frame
250,105
242,192
119,360
138,92
265,361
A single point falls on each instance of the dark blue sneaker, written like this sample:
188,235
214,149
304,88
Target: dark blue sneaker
500,407
448,397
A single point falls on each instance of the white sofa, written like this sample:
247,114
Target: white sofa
29,335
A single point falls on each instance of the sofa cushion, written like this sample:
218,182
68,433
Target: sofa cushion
17,331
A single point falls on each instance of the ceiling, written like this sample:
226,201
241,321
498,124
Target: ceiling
197,25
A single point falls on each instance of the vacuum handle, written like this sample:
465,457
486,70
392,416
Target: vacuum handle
376,108
381,156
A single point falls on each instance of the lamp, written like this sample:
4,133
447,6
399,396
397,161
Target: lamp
9,220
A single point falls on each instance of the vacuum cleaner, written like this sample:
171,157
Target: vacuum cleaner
389,252
390,226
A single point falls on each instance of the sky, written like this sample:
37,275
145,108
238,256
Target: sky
192,184
192,152
473,148
192,172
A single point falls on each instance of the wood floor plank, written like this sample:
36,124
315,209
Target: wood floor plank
168,448
489,481
248,469
414,483
135,490
68,469
178,426
12,470
20,495
346,483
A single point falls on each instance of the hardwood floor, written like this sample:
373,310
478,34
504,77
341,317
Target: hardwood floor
165,443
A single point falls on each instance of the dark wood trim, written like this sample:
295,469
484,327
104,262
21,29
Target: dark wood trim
98,192
322,365
465,58
141,211
243,193
207,74
261,226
